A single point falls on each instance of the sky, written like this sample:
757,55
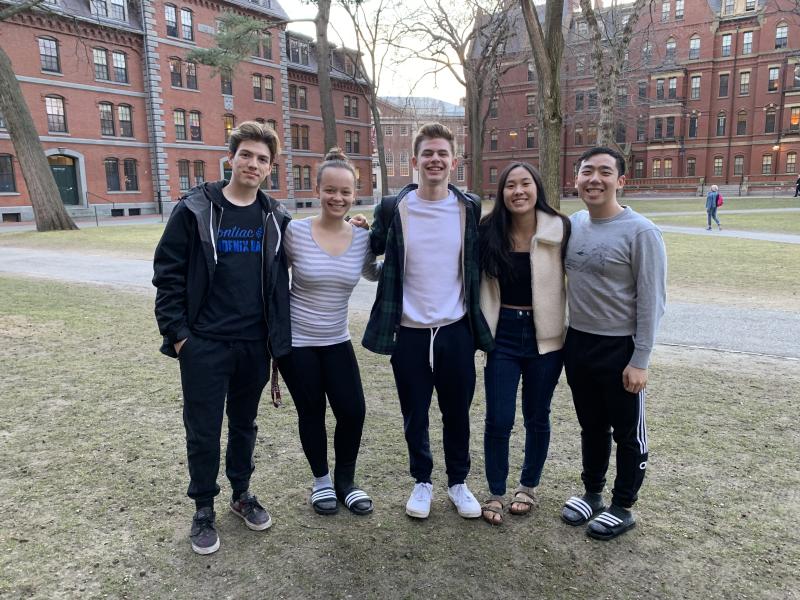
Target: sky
396,81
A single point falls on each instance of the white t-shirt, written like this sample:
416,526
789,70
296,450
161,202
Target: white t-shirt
433,289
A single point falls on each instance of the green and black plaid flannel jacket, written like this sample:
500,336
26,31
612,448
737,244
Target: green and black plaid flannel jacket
380,335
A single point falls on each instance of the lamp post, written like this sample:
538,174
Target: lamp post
513,135
777,149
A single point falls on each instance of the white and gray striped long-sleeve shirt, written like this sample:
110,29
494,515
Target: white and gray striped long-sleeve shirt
322,284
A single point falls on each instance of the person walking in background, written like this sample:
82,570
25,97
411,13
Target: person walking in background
616,292
713,201
427,313
327,257
523,298
797,188
222,305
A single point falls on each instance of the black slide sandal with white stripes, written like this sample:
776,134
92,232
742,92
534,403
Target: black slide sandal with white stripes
324,501
611,523
356,500
579,510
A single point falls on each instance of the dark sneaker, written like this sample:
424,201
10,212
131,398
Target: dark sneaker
255,516
203,535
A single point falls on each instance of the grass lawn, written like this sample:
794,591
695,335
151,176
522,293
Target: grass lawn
770,222
656,205
733,271
128,241
92,490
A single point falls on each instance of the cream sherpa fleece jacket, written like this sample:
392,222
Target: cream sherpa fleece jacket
549,293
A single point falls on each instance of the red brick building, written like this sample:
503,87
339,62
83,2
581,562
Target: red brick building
711,95
128,123
401,117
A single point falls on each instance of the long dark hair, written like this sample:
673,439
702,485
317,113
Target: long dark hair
495,228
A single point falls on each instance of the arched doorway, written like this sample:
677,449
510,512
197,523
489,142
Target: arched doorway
65,173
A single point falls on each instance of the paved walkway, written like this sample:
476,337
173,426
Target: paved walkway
768,332
784,238
735,211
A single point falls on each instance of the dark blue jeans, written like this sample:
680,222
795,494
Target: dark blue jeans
516,355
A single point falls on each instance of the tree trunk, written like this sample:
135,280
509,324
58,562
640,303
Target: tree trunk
376,120
324,74
476,133
606,90
547,47
48,210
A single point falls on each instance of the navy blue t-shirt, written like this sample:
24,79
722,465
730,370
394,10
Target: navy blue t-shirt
234,307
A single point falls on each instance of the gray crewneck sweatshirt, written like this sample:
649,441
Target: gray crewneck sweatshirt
617,278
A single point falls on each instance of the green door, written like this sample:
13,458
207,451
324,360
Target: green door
64,172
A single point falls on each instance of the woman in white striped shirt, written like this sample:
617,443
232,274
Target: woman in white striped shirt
328,256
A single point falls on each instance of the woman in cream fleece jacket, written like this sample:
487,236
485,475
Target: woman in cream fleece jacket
523,299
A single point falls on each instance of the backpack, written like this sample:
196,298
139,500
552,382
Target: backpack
719,199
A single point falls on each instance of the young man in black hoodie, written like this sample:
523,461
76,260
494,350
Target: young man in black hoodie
222,305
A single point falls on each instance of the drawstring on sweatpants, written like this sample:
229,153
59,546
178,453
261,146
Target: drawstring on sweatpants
434,331
275,390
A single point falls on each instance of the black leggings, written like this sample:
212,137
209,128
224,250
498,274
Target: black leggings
311,373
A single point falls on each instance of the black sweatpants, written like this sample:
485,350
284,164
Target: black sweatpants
211,371
453,376
594,365
311,373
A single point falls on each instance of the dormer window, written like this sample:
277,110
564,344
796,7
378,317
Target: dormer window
298,51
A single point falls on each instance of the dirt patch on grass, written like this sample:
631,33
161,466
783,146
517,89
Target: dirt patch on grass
93,505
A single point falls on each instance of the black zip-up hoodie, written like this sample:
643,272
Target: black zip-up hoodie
186,258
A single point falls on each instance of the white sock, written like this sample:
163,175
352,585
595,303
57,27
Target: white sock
322,482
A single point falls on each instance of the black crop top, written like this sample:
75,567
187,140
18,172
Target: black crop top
515,287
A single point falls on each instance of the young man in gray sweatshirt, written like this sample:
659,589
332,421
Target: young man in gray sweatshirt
616,268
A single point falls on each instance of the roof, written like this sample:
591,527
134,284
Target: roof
424,105
337,58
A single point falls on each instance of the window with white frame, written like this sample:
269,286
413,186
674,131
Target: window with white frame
187,24
118,10
106,118
56,114
744,83
782,36
100,56
179,119
404,164
389,163
766,164
695,87
171,20
670,50
125,117
119,63
48,55
694,47
747,42
738,165
791,162
772,81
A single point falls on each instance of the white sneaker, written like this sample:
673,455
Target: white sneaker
419,503
466,504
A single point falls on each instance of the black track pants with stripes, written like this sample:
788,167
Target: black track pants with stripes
594,365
